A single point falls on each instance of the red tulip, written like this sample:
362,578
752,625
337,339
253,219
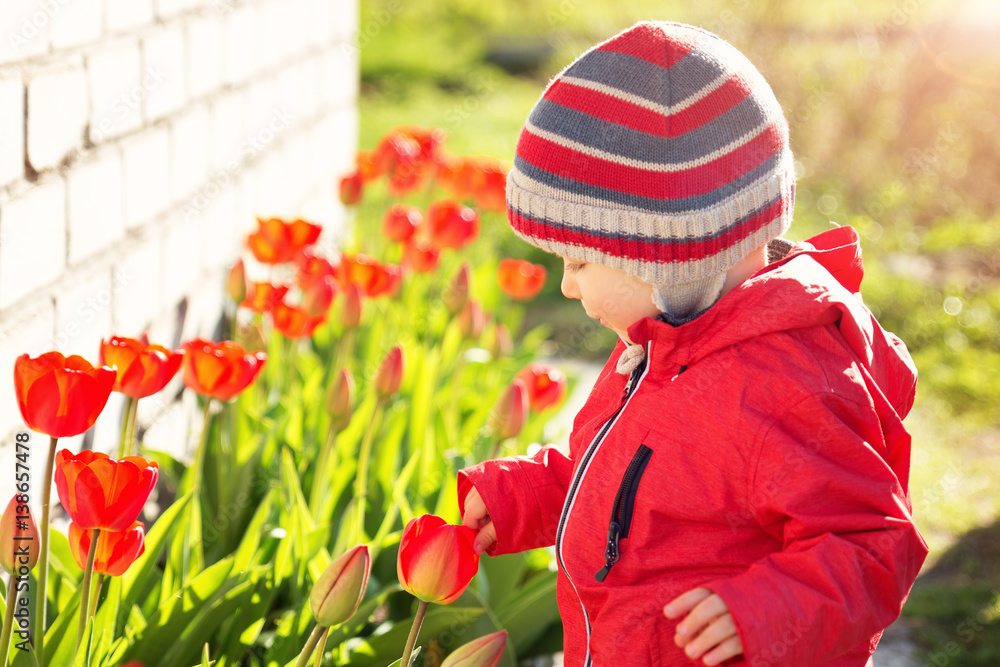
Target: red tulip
116,550
365,166
546,385
389,376
220,370
421,255
351,189
436,560
277,241
236,282
373,277
340,399
60,396
394,149
401,222
483,652
451,224
491,187
262,297
142,369
313,268
471,320
295,321
511,410
350,311
317,297
339,591
98,491
19,537
520,279
456,292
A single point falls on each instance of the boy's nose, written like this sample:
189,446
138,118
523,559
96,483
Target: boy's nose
569,286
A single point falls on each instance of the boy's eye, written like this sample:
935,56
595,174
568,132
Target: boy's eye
573,267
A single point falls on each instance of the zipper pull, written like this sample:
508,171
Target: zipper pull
611,555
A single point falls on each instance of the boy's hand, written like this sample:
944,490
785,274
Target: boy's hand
708,625
475,517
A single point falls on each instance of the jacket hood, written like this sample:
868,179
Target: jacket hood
816,283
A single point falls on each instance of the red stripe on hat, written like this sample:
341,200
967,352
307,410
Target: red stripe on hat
653,250
613,109
650,43
574,165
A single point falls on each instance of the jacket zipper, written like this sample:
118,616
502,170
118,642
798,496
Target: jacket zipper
634,380
621,510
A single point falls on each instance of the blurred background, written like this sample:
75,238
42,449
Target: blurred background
893,108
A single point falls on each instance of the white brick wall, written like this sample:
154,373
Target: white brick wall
155,131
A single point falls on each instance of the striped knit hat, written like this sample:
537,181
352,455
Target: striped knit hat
661,152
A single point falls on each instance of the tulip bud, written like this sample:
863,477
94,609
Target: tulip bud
456,292
501,344
317,297
340,399
351,187
350,312
390,373
339,591
19,540
483,652
510,411
471,320
236,283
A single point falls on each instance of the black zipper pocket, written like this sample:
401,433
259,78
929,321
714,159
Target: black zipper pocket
621,512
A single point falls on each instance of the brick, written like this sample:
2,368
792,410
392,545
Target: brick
339,77
11,130
241,48
83,315
108,428
32,241
166,9
320,28
345,17
227,130
31,334
57,115
334,142
127,15
163,54
221,239
204,62
145,161
176,429
136,289
297,88
117,90
75,23
272,19
189,145
260,102
182,265
94,204
24,26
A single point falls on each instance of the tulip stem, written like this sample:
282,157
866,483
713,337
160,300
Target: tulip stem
85,586
361,484
130,440
43,556
199,458
8,620
126,418
321,649
319,480
418,620
307,650
96,595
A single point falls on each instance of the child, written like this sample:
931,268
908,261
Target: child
736,487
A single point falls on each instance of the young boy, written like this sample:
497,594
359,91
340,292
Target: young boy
736,487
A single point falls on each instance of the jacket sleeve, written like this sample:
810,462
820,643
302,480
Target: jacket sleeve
849,548
524,496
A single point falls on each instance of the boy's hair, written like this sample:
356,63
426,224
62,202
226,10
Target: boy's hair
662,152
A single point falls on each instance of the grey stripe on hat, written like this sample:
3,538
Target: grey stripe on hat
652,204
744,118
644,79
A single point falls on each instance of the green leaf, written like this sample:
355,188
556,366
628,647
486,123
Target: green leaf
247,549
528,611
60,638
137,576
82,658
503,573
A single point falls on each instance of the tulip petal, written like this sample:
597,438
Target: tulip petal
81,493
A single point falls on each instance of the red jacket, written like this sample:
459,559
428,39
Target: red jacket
759,453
